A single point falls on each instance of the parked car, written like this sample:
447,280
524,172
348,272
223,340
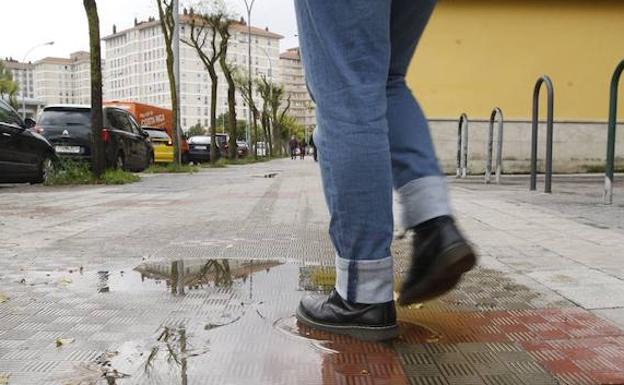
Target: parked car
162,143
199,149
68,129
25,156
242,148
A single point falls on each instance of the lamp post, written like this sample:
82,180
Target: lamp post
25,91
249,5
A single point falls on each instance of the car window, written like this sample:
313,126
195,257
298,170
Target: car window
157,134
118,120
7,115
65,117
134,126
199,140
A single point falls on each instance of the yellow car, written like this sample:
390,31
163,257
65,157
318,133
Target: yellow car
163,146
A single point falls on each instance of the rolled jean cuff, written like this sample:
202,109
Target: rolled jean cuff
365,281
423,199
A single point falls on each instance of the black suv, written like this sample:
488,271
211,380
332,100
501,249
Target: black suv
68,128
24,155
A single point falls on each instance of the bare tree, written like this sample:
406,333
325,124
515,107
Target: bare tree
242,83
203,38
98,161
277,116
228,71
167,25
265,89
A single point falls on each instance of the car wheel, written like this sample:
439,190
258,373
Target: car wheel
120,162
45,170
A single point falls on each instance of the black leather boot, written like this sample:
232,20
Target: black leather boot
440,257
370,322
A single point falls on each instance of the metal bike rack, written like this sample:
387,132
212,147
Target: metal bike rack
613,101
497,112
549,133
462,146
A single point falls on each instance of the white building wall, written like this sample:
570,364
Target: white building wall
136,70
292,77
64,81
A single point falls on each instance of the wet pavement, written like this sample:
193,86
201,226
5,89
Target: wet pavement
193,279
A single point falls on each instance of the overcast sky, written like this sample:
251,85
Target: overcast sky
26,23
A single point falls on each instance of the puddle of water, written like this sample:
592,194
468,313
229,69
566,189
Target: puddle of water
231,322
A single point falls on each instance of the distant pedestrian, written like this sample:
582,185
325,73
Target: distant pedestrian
302,148
313,146
293,145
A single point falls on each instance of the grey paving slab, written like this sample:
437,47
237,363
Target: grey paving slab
615,315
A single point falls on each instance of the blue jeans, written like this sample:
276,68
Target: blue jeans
371,133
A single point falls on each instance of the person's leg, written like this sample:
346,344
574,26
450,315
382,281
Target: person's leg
346,54
417,177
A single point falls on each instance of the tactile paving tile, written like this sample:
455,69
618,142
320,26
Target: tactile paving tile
471,363
582,361
514,326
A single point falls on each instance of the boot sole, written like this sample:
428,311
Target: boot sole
364,333
457,260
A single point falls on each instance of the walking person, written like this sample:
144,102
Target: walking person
313,146
373,136
302,148
293,145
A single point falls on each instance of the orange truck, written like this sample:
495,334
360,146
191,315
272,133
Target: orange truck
151,116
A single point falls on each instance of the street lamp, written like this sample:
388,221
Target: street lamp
249,5
25,92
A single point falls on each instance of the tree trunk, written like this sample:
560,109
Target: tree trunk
174,105
269,139
232,116
166,26
213,114
98,161
255,127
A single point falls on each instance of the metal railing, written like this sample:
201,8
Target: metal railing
610,167
462,146
549,133
497,112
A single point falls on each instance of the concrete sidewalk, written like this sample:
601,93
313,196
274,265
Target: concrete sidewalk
193,279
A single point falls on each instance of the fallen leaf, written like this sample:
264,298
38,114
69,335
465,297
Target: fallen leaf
433,339
4,379
63,341
364,371
64,281
3,298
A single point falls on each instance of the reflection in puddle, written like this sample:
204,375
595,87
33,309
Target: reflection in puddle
196,274
102,283
320,279
231,322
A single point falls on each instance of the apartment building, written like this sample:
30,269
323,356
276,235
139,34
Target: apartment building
292,77
136,68
23,75
63,80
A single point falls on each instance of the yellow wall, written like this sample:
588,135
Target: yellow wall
476,54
